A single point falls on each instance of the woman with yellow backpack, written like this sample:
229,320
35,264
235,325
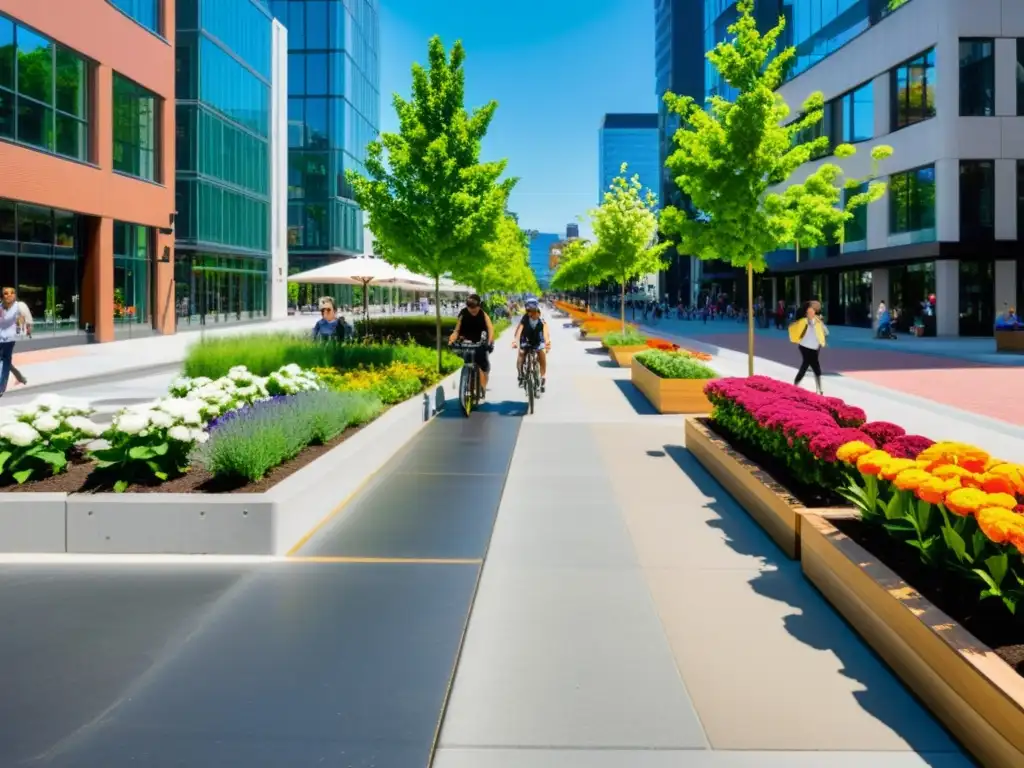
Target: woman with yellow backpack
809,333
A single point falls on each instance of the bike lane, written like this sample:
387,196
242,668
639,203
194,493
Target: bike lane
342,655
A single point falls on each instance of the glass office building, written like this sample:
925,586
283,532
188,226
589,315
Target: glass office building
630,139
223,89
333,113
540,255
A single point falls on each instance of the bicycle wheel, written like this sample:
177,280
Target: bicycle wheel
531,389
465,391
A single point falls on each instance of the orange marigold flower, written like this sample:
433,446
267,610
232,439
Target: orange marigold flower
963,455
1004,500
992,463
966,501
993,483
1001,526
871,463
950,470
850,452
1014,473
934,489
911,479
894,467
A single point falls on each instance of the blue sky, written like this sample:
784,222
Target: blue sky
554,66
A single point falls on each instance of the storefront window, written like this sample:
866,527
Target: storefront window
43,93
131,273
910,289
136,131
219,289
855,298
977,297
977,200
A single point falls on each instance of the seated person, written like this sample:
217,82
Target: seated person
1008,321
327,326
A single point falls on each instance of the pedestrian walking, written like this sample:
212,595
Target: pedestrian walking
9,314
809,333
23,327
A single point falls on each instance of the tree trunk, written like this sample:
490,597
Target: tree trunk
750,319
437,316
798,252
622,305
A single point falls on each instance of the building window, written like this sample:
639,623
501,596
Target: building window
977,77
1020,76
1020,202
977,298
39,250
856,227
851,117
131,273
977,200
213,288
136,130
43,93
912,201
145,12
913,90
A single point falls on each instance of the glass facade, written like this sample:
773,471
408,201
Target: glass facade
977,298
912,204
912,87
909,287
136,130
856,234
132,257
635,146
333,113
44,93
223,191
40,256
853,306
145,12
977,77
1020,76
977,200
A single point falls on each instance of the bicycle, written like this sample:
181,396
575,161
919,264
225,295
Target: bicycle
530,375
470,391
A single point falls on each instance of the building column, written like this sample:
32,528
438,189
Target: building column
277,283
947,297
1006,286
879,287
97,291
164,304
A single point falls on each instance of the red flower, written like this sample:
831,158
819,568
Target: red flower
907,446
882,431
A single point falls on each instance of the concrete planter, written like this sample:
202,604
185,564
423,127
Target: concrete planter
771,505
623,356
1010,341
271,523
977,695
670,395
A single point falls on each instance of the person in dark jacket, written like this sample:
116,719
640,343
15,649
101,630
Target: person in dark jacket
327,326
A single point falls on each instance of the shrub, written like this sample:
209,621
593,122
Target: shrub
630,338
673,365
262,436
415,329
392,384
36,439
263,354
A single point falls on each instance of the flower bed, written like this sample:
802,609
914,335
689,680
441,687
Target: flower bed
673,382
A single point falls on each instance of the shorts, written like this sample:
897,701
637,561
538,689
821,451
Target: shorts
482,359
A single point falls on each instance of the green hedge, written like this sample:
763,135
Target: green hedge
674,365
419,329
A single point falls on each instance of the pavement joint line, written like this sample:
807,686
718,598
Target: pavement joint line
58,558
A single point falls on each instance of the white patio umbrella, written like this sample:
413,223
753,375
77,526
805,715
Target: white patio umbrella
362,271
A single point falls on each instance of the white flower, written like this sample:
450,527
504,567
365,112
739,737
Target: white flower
97,445
87,427
19,434
132,422
46,402
181,434
200,436
161,419
45,423
192,417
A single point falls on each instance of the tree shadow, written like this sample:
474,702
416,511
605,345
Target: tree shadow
635,398
598,351
816,624
608,364
453,410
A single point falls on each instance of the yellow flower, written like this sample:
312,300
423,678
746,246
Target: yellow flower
871,463
1014,473
850,452
1002,526
894,467
950,470
934,489
910,479
1004,500
963,455
966,501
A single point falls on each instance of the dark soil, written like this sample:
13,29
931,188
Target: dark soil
987,620
82,476
773,472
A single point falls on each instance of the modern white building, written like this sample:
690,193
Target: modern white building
942,83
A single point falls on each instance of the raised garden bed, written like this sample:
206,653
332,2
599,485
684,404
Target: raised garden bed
961,657
1010,341
623,356
772,504
680,390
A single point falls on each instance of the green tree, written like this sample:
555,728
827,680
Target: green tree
577,268
729,157
626,228
507,269
432,205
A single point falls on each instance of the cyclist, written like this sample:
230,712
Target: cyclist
533,333
471,325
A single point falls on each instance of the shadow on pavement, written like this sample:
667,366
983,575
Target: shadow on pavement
607,364
635,398
814,622
452,409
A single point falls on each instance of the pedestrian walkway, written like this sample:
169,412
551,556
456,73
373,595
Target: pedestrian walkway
630,614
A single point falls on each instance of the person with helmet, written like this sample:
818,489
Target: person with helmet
533,333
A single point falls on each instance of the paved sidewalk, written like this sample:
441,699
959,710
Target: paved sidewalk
631,614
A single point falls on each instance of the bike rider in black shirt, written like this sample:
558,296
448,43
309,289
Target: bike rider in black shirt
533,333
471,325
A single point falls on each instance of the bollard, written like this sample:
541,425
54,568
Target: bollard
426,407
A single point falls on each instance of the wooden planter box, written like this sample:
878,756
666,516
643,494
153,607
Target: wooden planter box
963,682
765,500
623,356
670,395
1010,341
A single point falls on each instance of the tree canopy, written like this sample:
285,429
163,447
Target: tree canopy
507,268
577,267
432,204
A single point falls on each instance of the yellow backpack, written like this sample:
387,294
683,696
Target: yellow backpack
797,330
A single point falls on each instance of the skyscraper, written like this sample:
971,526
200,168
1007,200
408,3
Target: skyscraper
572,231
540,254
224,58
630,139
333,113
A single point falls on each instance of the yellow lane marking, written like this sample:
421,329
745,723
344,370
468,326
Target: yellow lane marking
387,560
330,515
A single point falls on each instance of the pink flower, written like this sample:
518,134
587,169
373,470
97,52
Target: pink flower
825,444
882,431
907,446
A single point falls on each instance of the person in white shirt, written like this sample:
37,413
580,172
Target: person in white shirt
23,326
9,314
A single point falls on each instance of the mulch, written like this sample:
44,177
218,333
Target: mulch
81,476
988,620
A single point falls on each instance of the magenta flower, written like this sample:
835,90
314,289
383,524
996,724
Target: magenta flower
825,444
907,446
882,431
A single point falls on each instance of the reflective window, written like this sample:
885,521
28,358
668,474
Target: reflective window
212,288
912,200
977,200
977,298
227,85
913,90
856,227
43,92
977,77
211,213
850,118
317,29
242,26
131,273
145,12
136,130
229,153
1020,76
